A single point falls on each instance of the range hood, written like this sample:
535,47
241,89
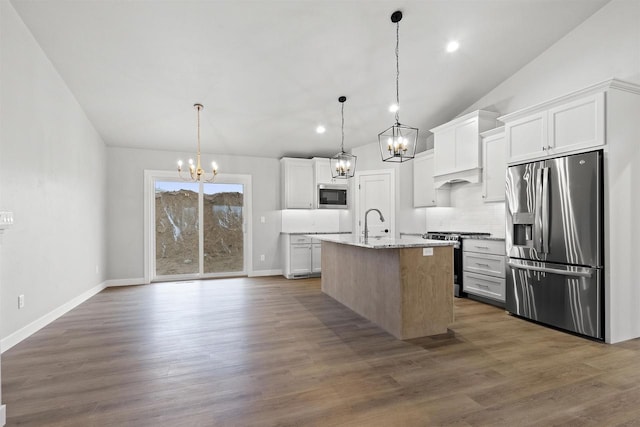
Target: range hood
472,176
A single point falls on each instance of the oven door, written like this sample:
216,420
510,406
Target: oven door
332,197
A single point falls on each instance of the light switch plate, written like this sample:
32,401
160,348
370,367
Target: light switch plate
427,251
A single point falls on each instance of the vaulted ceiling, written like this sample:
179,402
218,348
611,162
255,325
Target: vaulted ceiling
269,71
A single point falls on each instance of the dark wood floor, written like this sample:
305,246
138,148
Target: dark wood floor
269,351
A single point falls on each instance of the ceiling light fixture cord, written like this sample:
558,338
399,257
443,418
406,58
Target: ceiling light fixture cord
398,71
342,144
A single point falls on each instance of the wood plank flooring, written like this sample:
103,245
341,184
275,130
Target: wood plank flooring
275,352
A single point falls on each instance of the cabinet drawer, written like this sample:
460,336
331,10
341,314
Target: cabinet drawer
485,286
295,240
495,247
492,265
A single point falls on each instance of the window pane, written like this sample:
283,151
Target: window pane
223,231
176,228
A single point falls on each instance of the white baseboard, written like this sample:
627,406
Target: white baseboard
124,282
259,273
33,327
3,415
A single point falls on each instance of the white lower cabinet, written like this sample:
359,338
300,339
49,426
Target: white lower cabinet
302,256
484,269
316,257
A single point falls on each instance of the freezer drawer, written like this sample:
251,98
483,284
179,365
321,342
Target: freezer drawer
485,286
567,297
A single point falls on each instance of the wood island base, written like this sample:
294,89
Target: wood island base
408,294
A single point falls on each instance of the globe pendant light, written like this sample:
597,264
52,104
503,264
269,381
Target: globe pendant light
398,143
196,173
343,165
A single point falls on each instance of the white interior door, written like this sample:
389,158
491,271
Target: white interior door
376,189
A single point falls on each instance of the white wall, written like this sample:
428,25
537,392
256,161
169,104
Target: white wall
125,206
52,176
605,45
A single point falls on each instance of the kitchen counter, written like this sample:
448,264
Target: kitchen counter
313,233
383,242
403,285
501,239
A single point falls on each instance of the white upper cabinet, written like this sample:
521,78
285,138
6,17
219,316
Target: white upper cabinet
494,160
457,146
322,170
297,183
568,124
578,124
424,192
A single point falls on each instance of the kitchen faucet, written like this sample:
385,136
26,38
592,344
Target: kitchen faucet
366,228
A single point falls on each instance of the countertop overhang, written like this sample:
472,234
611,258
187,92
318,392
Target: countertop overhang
382,242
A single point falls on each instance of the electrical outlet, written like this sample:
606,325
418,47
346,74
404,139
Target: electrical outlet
97,269
21,301
262,258
263,220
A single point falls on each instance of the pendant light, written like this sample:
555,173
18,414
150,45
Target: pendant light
343,165
196,173
398,143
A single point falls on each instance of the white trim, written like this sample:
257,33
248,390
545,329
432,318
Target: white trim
478,114
3,415
589,90
124,282
261,273
33,327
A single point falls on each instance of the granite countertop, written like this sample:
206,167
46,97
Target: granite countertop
314,233
484,238
464,237
383,242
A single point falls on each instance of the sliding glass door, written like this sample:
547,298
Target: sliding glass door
197,230
223,233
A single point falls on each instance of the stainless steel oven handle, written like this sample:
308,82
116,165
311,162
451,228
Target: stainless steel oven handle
550,270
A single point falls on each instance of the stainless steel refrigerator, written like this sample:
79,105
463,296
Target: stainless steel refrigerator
555,243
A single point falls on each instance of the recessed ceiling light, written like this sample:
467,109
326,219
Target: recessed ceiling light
321,129
452,46
393,108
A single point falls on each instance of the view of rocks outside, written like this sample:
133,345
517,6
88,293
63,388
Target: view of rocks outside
177,231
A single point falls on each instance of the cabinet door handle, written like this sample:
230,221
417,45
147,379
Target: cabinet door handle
483,265
482,247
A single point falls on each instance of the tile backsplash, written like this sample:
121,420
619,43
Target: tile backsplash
469,213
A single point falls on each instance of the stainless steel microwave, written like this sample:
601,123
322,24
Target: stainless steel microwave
333,196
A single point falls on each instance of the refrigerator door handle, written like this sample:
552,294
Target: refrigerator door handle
583,272
537,214
545,210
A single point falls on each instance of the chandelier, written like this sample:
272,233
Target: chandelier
196,173
343,165
398,143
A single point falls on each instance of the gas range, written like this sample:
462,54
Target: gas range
451,235
455,236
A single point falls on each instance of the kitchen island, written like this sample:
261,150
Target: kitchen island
403,285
